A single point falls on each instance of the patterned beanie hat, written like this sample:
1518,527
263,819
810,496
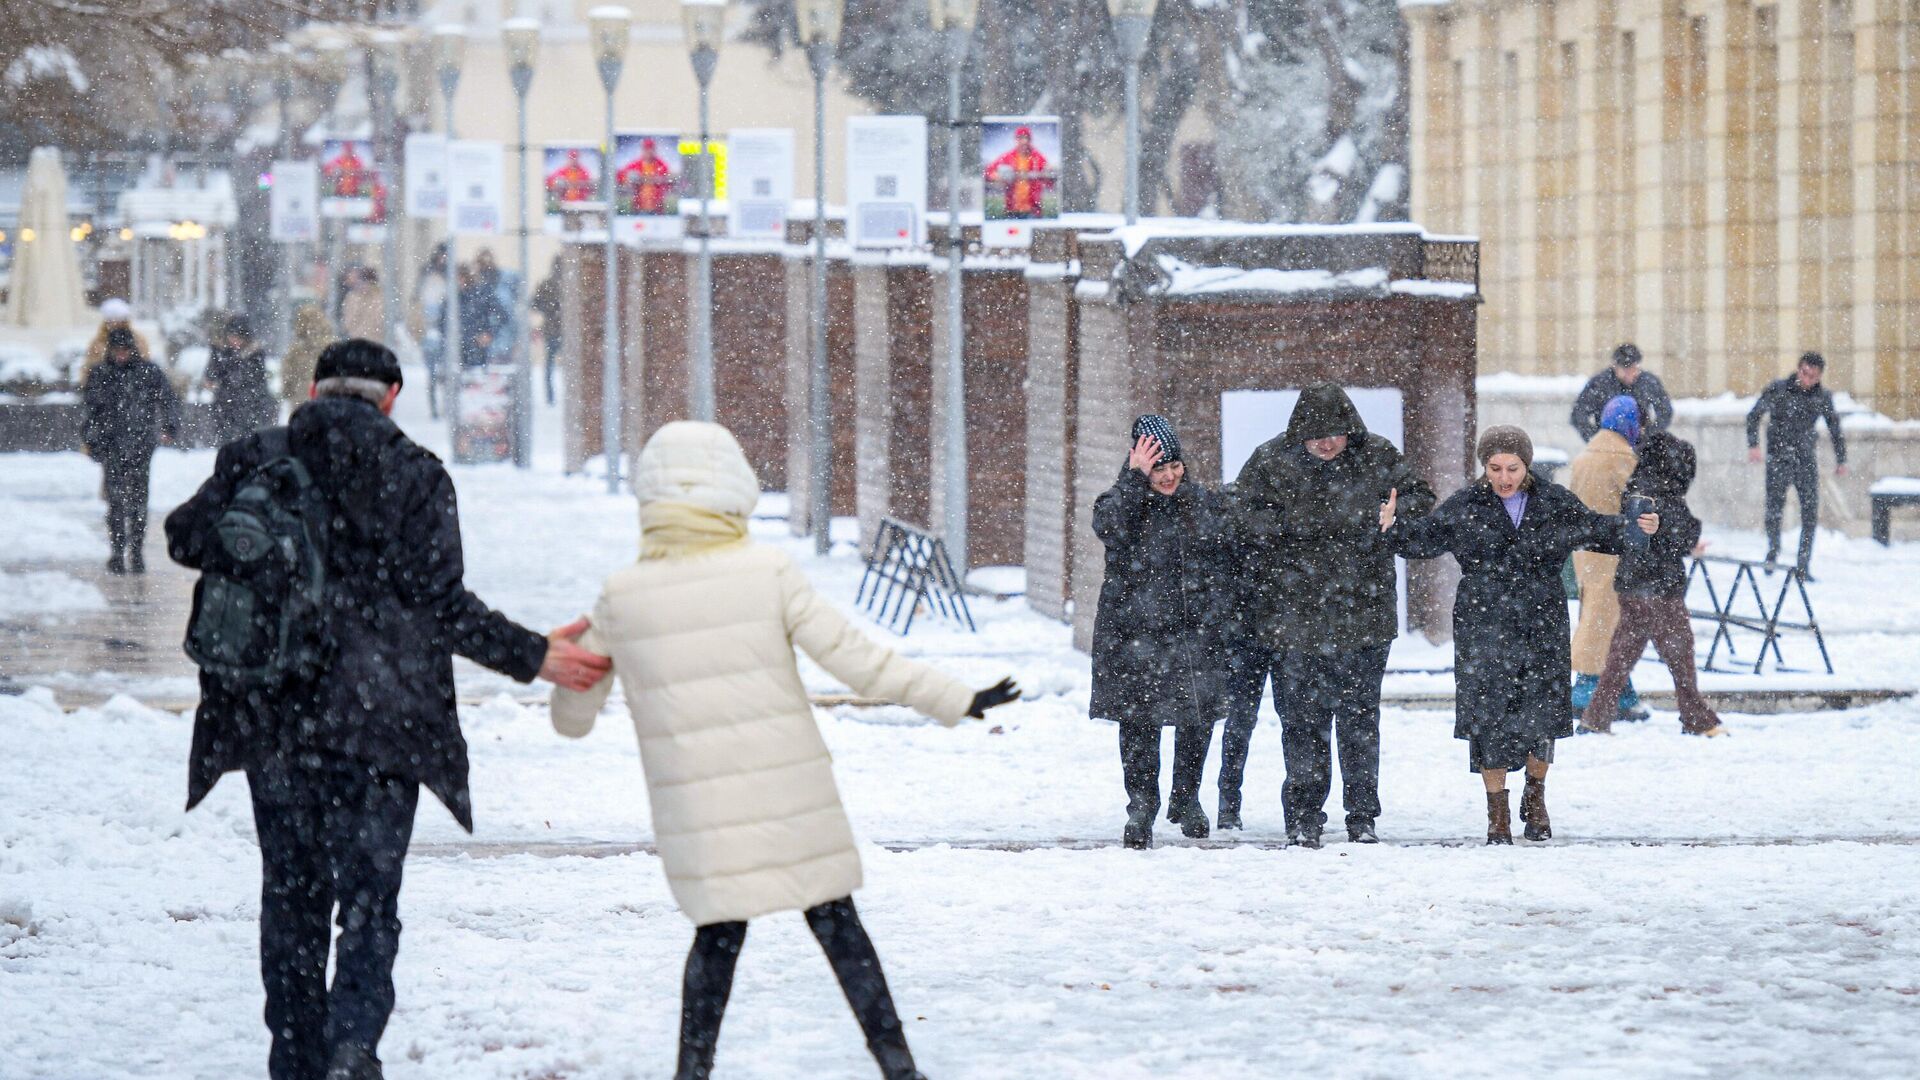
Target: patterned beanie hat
1162,430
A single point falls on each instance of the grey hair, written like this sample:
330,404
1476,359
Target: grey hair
372,390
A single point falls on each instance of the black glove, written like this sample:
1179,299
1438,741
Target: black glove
998,694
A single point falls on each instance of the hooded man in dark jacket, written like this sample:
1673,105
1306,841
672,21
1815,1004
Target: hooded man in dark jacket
1329,602
335,764
1792,407
130,409
237,374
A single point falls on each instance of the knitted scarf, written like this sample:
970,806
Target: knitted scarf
674,530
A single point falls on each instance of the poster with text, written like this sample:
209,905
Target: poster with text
293,204
347,178
648,177
570,183
887,180
426,176
1020,171
476,179
759,182
485,432
372,229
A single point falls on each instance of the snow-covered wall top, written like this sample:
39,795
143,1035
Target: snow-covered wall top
1215,261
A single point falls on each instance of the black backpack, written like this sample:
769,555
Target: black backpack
259,610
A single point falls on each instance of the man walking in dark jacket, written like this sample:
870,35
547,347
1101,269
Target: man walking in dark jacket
237,374
1626,377
130,410
1793,406
335,763
1329,601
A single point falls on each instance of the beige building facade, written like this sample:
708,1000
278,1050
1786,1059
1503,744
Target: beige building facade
1726,183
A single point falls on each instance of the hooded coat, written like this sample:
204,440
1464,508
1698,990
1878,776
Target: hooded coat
1599,479
398,613
242,400
745,810
1665,473
129,406
1324,577
1510,644
1173,604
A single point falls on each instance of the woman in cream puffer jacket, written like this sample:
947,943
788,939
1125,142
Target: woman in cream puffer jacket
745,811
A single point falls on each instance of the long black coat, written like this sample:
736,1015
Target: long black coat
398,613
130,405
1512,647
1172,604
242,401
1325,578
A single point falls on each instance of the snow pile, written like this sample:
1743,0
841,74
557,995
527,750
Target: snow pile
43,592
23,365
1181,278
47,63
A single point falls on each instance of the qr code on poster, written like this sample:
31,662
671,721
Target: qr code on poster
886,187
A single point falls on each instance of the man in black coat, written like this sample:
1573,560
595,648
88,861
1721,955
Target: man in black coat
1793,406
236,372
130,410
486,312
1627,378
1329,603
335,764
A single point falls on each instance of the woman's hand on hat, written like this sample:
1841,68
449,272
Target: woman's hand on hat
1146,454
1389,509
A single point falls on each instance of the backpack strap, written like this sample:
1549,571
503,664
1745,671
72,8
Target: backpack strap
276,442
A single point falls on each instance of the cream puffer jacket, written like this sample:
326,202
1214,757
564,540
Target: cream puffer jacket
745,811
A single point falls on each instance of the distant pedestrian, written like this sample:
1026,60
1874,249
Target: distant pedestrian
1328,604
131,410
237,375
1792,406
311,335
1652,587
702,631
486,316
336,752
551,306
1511,531
1599,479
114,313
1171,611
362,306
1624,376
430,292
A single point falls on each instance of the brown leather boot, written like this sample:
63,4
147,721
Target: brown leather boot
1499,820
1533,809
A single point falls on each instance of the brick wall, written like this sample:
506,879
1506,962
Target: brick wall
996,413
893,335
749,326
584,293
841,385
1053,375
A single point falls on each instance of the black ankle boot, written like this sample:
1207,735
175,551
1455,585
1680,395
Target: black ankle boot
1193,820
117,562
1229,812
1139,831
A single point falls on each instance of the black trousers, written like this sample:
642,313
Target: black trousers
709,982
128,478
1245,677
1322,696
1140,765
1802,474
331,834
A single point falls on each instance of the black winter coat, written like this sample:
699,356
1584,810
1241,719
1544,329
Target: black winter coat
1792,412
1512,647
399,614
1324,576
242,401
1172,612
1659,568
1647,391
129,406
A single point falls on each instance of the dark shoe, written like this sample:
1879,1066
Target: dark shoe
1193,821
1635,715
896,1062
1309,836
117,564
1582,729
1499,819
1361,832
137,562
1533,810
1229,812
353,1063
1139,832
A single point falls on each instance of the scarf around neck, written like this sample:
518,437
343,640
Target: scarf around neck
673,530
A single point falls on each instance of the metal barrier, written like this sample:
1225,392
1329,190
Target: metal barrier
914,569
1765,620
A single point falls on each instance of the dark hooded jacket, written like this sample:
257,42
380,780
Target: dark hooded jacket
1512,647
243,403
1666,470
1171,610
129,406
1647,391
399,613
1324,577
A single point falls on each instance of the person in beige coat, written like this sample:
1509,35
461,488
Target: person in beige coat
746,815
1599,479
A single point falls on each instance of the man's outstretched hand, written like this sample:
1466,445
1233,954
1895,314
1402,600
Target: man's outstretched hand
992,697
567,664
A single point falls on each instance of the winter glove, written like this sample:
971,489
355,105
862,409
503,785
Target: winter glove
998,694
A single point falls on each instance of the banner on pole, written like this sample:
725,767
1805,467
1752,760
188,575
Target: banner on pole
648,182
293,204
347,178
1020,165
485,429
759,182
426,176
887,180
570,183
476,179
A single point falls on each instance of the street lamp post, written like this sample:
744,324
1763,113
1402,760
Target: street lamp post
955,19
449,51
330,69
383,84
522,39
609,30
283,95
704,25
1132,20
819,33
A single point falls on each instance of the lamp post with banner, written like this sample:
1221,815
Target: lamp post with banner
705,23
522,39
819,34
608,28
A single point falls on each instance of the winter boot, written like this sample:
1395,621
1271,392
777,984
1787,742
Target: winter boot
1229,812
353,1063
1193,821
117,562
1306,835
896,1061
1499,819
1631,710
1583,688
1360,831
1533,809
137,561
1139,831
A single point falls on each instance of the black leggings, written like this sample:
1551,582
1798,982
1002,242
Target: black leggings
709,981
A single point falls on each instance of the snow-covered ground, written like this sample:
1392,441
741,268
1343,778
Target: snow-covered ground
1729,908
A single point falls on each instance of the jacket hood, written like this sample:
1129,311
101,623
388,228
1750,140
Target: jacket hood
699,464
1323,411
346,444
1668,465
